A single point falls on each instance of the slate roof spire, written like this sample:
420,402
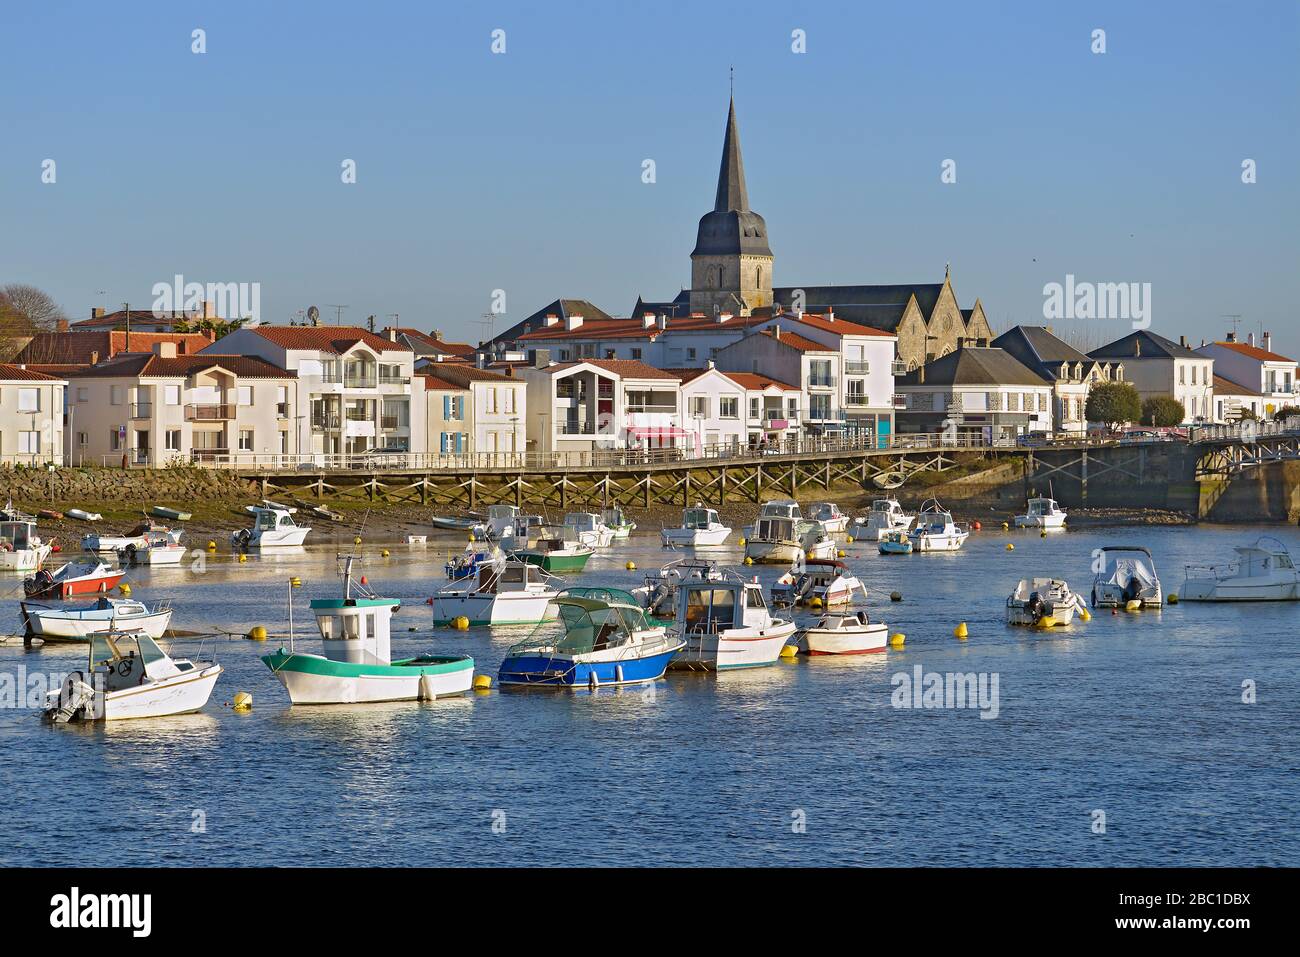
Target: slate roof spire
732,194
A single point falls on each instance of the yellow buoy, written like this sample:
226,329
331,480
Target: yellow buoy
482,682
849,539
1133,605
810,554
1047,621
242,558
383,553
840,553
243,701
1043,533
742,541
124,588
257,633
295,581
462,623
1085,614
1010,547
748,560
789,651
896,640
630,566
212,546
357,540
960,631
471,536
814,602
1173,598
1005,526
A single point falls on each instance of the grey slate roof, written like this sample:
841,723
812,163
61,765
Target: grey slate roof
1143,344
1040,350
878,306
983,365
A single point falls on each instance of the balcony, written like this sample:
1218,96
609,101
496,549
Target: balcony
575,428
661,409
819,381
826,415
390,422
857,368
358,415
360,380
856,399
388,378
898,368
900,401
209,412
208,455
282,410
325,423
142,410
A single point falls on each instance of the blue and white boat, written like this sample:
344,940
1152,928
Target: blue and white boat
466,564
602,638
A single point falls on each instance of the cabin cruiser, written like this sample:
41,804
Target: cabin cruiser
658,596
1041,513
138,537
78,622
726,625
358,665
700,528
1128,575
886,515
505,592
588,529
935,530
826,581
777,508
829,516
508,525
843,634
782,541
21,549
1261,572
602,638
129,676
273,525
617,521
1044,603
557,552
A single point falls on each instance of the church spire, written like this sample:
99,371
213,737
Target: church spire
732,194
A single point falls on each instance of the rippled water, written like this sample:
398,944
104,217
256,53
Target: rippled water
807,762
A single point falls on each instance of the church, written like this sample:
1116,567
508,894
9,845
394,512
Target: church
732,274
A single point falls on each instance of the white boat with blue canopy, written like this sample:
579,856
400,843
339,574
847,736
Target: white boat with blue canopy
601,637
357,665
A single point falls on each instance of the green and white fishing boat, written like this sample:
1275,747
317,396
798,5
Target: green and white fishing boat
357,665
618,521
557,554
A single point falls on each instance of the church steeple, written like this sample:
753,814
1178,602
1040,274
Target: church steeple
732,194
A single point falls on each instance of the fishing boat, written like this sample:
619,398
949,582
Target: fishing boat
21,549
829,516
468,562
617,521
602,638
886,515
1127,579
129,676
78,622
824,581
587,528
1261,572
935,530
1044,603
1041,513
658,596
137,537
843,634
726,625
894,542
700,528
505,592
777,508
73,578
159,548
357,665
508,525
451,524
171,514
273,526
557,553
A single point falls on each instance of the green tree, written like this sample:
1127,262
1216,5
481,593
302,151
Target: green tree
1163,411
1113,403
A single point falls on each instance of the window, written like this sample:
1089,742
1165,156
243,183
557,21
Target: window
172,440
115,440
29,443
728,407
245,440
564,355
245,395
755,407
510,399
172,395
453,408
82,394
29,400
115,395
636,354
700,406
611,354
690,354
82,439
1182,375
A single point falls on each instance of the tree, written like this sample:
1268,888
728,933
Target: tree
1113,403
1285,411
1163,411
25,311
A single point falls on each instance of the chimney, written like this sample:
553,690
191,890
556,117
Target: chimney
61,326
1182,341
663,320
1268,342
164,350
392,334
551,319
647,320
572,322
541,358
830,314
209,309
1250,338
481,360
97,312
1137,348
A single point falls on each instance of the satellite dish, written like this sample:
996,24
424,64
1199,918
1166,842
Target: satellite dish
313,315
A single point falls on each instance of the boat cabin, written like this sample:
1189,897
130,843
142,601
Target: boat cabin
826,512
267,519
124,659
887,507
614,516
707,607
496,577
355,630
18,536
1040,507
699,518
784,508
583,521
778,530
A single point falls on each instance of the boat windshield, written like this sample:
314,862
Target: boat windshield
710,609
775,529
882,506
107,648
15,535
697,518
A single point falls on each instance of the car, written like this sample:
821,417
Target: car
381,456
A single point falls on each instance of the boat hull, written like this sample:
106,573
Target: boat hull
24,559
552,562
99,585
733,650
695,537
773,553
508,608
817,641
571,672
938,543
312,679
181,694
1213,589
1040,521
895,548
279,538
52,626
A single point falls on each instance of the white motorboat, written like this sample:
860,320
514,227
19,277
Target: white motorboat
158,548
1041,513
777,508
935,530
1127,576
1044,603
129,676
843,634
726,625
817,581
658,596
273,526
617,521
783,536
502,592
509,525
138,537
829,516
78,622
588,529
700,528
1261,572
886,515
21,549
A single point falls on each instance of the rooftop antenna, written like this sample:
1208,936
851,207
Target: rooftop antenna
1234,320
486,320
313,315
338,312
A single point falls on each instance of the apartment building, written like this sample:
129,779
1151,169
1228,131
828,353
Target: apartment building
495,409
1157,366
1258,368
31,416
783,352
1070,373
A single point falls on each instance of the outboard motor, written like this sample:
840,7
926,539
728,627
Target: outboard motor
74,699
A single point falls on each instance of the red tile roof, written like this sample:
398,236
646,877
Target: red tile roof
625,368
757,382
1225,386
147,365
838,326
334,339
433,384
114,319
78,348
1263,355
464,372
453,348
16,373
796,341
635,328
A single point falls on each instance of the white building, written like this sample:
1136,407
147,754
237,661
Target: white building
978,393
714,408
1272,375
1157,366
787,355
1234,401
1070,373
659,340
31,416
496,413
773,409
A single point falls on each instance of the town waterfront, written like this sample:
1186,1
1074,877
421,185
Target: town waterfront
1140,716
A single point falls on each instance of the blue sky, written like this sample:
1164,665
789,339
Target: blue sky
522,171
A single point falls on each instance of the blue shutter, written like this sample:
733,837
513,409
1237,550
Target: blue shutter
442,445
460,442
446,409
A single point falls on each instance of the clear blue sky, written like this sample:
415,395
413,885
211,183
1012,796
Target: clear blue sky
523,171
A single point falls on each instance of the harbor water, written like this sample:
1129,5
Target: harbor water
1158,738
